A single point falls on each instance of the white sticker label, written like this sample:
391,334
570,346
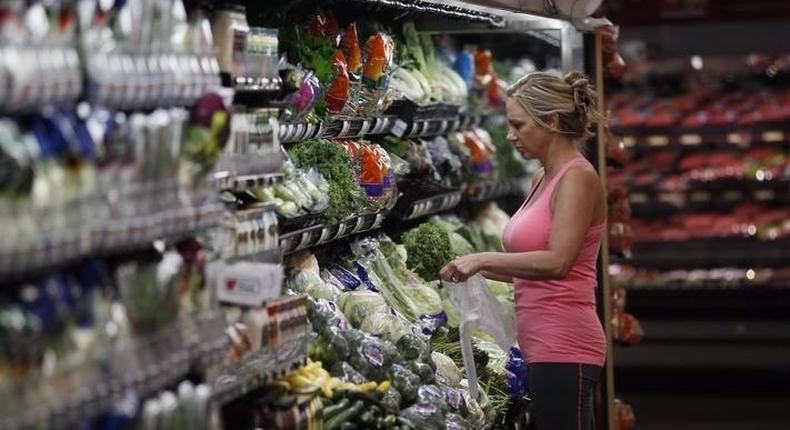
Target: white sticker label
443,126
365,128
399,128
344,128
246,283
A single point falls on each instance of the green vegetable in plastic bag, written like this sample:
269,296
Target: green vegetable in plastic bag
447,372
456,422
423,370
372,357
330,347
432,394
406,382
412,347
344,371
389,326
423,416
391,400
359,305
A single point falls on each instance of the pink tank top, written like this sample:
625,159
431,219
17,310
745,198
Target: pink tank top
556,319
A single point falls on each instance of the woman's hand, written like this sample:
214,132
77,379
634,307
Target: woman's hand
462,268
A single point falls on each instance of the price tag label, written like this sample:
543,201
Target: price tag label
734,138
344,128
764,195
365,128
304,241
658,140
399,128
341,230
443,126
690,139
629,141
246,283
290,132
309,128
299,132
700,196
773,136
378,124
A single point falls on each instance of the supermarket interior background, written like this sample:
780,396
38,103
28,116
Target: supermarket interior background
232,214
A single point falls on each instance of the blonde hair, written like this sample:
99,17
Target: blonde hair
571,99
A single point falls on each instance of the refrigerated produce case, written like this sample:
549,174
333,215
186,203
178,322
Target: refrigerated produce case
150,296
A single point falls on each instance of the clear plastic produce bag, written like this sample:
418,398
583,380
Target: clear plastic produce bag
478,308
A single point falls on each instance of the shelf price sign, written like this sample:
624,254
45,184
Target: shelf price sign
245,283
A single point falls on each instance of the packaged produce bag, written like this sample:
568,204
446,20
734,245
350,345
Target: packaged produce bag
478,308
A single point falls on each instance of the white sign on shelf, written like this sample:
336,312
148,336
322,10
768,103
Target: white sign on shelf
245,283
399,128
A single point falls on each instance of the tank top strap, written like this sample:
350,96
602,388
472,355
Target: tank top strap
560,173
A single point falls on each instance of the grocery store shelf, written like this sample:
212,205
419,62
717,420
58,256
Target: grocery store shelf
342,128
428,206
707,357
428,9
226,181
145,366
493,189
724,302
104,238
707,196
320,234
662,137
710,253
259,368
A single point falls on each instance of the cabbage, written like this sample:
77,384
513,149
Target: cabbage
447,372
358,305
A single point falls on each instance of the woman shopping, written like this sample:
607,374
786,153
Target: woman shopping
552,245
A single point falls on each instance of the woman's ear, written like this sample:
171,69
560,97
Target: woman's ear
553,121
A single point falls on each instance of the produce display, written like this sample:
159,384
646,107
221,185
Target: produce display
161,302
380,328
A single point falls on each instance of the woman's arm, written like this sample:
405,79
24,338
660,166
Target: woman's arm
577,198
496,276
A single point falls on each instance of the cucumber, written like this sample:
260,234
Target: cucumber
335,409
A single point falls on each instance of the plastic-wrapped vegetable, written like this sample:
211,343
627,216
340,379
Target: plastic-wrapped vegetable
310,283
477,416
391,400
406,382
455,401
412,347
432,394
456,422
358,305
344,371
337,93
330,347
325,313
302,101
412,301
387,325
423,370
372,357
423,416
492,219
349,280
350,46
447,372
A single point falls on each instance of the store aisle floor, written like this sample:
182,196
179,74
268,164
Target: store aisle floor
677,411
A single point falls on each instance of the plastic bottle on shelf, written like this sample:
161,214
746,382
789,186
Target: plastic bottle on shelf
230,29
